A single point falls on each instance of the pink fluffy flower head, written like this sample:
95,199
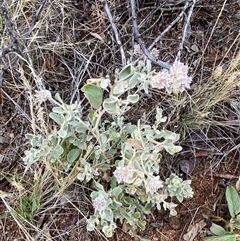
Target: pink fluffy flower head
161,80
99,204
180,80
123,174
153,184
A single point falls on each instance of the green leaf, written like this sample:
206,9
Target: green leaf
1,23
233,201
141,224
119,88
129,200
108,215
94,95
58,118
217,229
73,155
145,86
56,152
171,148
125,214
137,215
126,72
133,81
159,117
149,66
226,237
80,145
104,83
131,128
110,105
169,135
147,208
58,110
104,167
103,138
98,186
58,98
236,224
108,231
116,191
62,133
92,117
90,227
133,98
143,239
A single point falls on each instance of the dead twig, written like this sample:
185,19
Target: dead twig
170,25
186,30
9,26
140,41
12,36
222,175
114,28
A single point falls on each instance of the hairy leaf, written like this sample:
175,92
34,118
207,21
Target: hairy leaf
233,201
73,155
94,95
126,73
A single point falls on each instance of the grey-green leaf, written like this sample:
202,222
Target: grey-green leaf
110,105
119,88
133,81
104,83
57,118
226,237
126,72
133,98
62,133
94,95
73,155
58,110
233,201
217,229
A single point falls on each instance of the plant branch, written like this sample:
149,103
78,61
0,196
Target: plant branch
140,41
185,30
13,39
170,25
114,28
9,26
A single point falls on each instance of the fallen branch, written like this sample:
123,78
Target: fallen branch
185,30
13,38
9,26
140,41
170,25
114,28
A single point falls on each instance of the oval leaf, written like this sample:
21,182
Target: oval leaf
133,98
58,110
119,88
217,229
110,105
73,155
233,201
126,72
94,95
59,119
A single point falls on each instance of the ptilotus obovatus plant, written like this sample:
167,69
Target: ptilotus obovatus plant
112,150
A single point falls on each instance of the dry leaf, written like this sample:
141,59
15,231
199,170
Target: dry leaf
238,184
134,143
97,36
194,230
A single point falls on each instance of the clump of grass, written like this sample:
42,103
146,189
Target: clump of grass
221,86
